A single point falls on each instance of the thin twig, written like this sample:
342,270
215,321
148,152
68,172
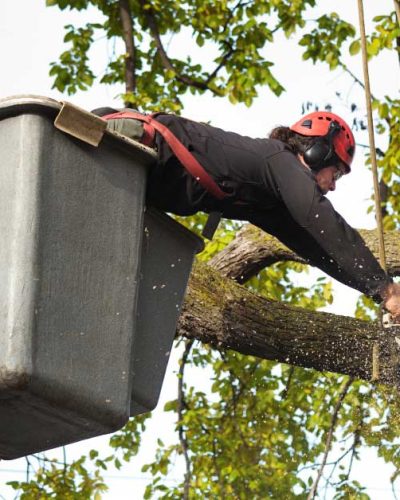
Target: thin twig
42,459
166,61
231,13
329,439
351,450
288,382
243,387
64,450
394,491
222,63
28,468
181,407
355,78
230,50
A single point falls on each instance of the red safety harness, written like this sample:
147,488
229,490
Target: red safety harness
150,127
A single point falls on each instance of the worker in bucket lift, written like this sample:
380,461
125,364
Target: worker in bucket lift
277,183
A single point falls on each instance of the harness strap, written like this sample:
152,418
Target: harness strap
150,126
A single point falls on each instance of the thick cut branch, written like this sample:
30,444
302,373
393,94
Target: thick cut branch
225,314
253,250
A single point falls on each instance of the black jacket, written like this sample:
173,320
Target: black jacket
276,193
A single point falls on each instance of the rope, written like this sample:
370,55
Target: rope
377,196
368,99
397,9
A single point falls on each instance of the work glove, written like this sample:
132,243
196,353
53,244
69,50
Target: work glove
391,301
128,127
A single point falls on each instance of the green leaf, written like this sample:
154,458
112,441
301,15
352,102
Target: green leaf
355,47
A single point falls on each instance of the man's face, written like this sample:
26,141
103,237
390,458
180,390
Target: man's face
326,177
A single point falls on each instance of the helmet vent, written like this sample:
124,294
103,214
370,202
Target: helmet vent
307,123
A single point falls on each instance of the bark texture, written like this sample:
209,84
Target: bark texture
221,312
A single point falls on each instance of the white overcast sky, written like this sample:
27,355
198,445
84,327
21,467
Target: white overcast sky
31,37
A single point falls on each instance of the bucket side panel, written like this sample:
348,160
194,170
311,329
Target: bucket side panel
22,439
90,231
167,258
19,193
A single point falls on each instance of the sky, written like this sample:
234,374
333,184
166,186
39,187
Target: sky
31,38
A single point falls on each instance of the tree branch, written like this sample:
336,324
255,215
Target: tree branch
328,444
353,452
231,50
222,63
130,57
166,61
253,250
181,408
152,24
355,78
288,383
228,316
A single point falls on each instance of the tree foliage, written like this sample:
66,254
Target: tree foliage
261,430
236,34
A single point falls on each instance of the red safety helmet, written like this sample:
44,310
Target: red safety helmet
319,124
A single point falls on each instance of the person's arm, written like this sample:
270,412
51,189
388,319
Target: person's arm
323,236
282,225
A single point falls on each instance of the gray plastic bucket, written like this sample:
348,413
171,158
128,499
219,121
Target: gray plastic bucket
77,356
168,250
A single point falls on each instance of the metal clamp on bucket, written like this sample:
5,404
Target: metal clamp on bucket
80,124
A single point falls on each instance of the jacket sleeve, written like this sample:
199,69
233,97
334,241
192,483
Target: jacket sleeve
313,229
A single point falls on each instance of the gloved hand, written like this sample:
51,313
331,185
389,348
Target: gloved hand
126,126
391,301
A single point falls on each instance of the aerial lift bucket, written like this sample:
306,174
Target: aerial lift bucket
91,284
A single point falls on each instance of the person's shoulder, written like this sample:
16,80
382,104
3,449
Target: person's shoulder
281,156
277,148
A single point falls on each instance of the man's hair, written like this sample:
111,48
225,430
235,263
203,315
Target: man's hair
296,142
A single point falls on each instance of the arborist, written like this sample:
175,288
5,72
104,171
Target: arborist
277,183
